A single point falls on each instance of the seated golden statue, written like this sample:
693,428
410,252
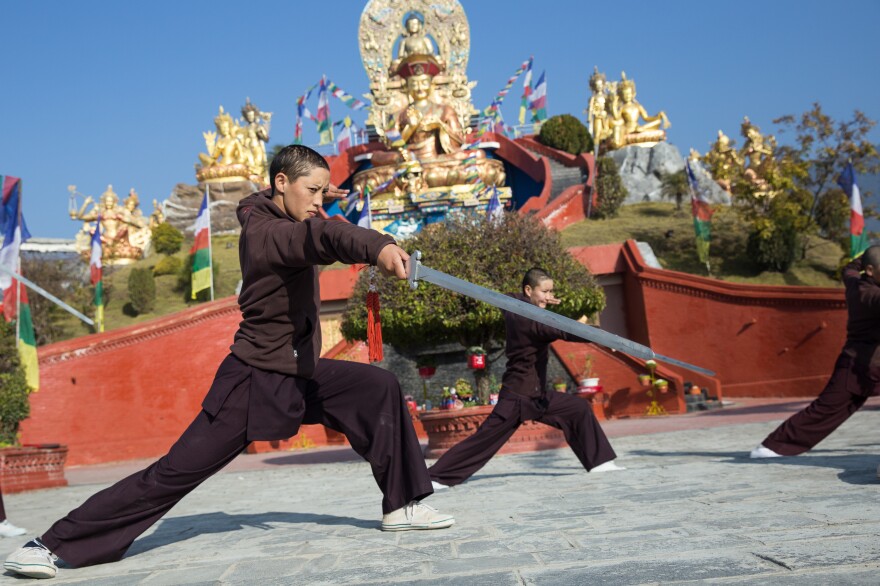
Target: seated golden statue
124,231
431,133
226,158
626,129
414,41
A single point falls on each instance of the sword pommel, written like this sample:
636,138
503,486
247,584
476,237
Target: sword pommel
412,269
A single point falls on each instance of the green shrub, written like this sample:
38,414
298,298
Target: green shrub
609,187
14,390
832,216
166,238
566,133
167,265
142,290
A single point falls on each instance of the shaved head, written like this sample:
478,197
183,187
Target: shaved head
872,257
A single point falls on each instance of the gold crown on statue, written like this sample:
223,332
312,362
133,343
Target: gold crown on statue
596,78
626,83
747,125
223,117
248,107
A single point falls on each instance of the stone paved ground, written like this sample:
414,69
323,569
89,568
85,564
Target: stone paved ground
689,508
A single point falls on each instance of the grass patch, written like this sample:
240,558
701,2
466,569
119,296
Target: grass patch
670,233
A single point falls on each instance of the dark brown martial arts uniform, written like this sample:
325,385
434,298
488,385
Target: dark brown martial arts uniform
272,382
856,373
524,397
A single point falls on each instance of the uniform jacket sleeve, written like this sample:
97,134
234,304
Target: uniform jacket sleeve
319,242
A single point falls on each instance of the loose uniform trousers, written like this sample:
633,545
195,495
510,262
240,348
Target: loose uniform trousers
850,385
572,415
363,402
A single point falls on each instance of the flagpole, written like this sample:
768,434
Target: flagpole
210,250
18,268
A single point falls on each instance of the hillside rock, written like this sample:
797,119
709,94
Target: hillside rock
642,167
182,207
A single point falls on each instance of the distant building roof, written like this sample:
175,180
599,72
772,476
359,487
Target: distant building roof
45,245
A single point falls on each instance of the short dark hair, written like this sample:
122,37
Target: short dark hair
295,161
872,256
534,276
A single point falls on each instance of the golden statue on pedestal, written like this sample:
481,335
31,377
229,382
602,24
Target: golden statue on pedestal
125,232
239,152
619,125
420,106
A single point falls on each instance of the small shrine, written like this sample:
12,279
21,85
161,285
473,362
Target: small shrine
125,231
433,163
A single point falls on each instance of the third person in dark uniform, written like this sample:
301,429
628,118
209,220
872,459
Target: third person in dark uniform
524,397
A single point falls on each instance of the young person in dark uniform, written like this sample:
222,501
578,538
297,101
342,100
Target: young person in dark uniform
272,381
856,373
524,397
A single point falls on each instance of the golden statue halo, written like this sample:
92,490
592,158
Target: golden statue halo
383,23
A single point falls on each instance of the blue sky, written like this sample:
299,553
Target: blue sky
120,92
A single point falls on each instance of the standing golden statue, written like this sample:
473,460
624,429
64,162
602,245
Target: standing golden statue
125,233
254,136
598,118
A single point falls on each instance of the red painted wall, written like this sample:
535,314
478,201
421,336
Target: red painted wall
129,393
768,341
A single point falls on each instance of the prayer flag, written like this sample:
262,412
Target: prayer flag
343,141
97,275
202,274
494,211
365,220
527,92
325,126
702,212
539,99
858,237
27,342
14,231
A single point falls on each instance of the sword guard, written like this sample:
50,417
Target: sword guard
412,269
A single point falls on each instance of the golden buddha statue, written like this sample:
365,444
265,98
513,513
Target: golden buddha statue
626,113
254,136
758,151
421,108
157,216
597,109
723,161
430,132
124,231
414,41
226,158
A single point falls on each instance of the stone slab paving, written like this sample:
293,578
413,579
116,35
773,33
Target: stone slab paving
691,507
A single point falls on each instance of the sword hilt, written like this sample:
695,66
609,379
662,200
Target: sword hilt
412,269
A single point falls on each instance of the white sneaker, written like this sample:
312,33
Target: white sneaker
763,452
33,561
7,529
437,486
416,515
607,467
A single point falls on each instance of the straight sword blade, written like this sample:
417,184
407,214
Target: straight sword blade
416,272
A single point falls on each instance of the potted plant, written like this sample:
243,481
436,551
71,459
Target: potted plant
476,357
426,365
586,376
559,384
465,393
22,467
